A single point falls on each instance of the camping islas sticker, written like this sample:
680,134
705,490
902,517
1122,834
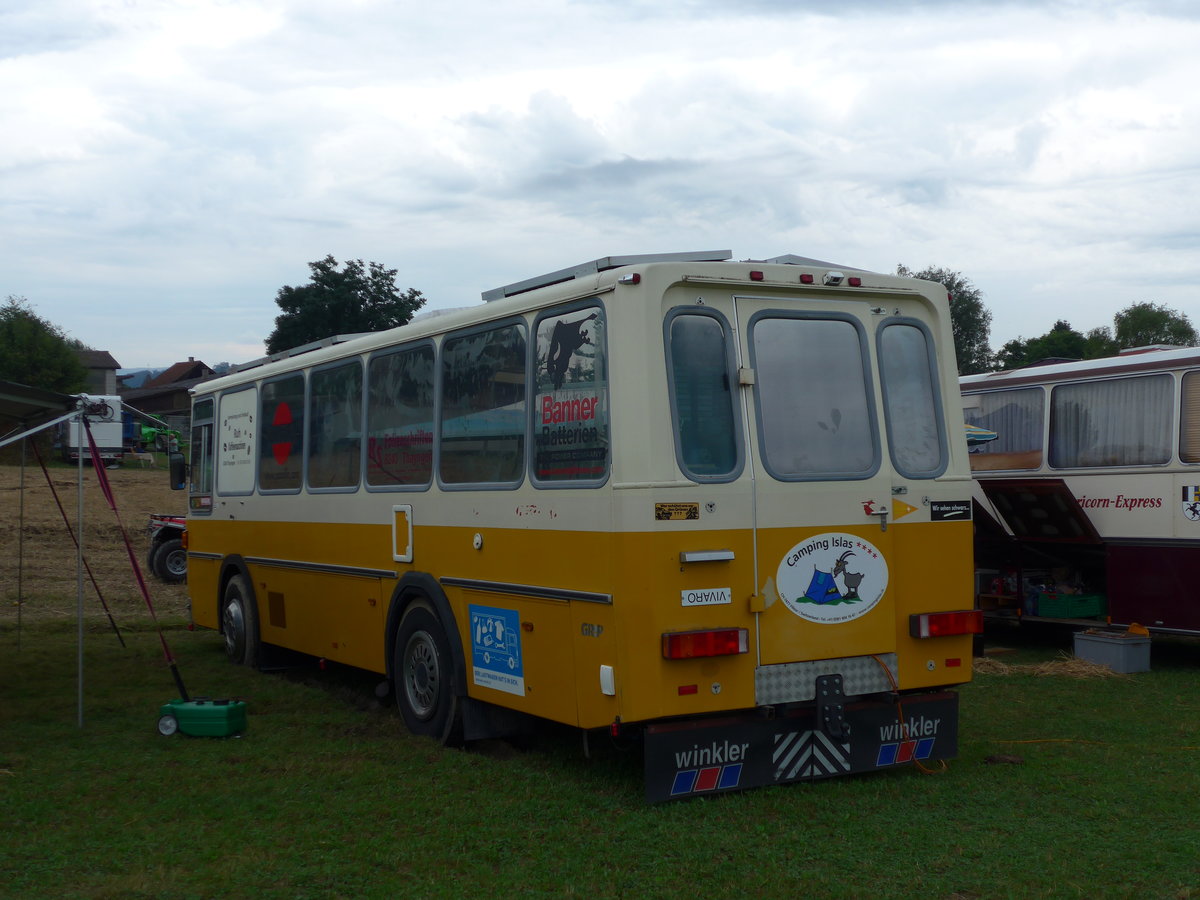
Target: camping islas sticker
832,577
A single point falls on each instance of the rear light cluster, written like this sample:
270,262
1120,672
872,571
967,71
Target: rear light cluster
945,624
712,642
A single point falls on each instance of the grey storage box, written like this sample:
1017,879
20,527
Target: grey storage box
1119,651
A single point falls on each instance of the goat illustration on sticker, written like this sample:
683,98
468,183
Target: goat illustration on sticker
832,577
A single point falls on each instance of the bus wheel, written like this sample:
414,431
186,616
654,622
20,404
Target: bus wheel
422,669
170,563
239,621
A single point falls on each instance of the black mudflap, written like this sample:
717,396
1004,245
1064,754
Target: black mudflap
712,756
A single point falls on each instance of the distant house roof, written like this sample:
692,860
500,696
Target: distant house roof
192,370
98,359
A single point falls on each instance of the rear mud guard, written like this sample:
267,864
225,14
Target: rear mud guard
734,753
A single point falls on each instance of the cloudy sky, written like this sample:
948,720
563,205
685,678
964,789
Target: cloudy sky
167,165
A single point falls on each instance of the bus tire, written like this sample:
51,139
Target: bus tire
170,562
423,672
239,622
151,554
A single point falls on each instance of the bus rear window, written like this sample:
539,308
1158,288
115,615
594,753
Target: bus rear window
814,400
700,366
908,374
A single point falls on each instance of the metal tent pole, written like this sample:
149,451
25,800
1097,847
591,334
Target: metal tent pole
79,565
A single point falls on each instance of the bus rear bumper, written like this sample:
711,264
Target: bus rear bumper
732,753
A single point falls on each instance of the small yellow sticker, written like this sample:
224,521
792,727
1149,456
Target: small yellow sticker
900,509
664,512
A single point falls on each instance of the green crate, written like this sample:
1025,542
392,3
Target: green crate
202,717
1071,606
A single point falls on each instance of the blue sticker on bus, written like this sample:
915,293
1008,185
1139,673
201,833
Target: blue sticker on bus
496,649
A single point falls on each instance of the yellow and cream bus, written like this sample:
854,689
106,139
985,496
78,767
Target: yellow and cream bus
722,506
1089,497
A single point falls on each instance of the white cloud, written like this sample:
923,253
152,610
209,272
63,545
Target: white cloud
167,166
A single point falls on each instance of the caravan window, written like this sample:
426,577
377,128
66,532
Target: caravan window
1017,419
1116,422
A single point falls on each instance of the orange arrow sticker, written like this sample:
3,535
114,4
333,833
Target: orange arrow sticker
900,509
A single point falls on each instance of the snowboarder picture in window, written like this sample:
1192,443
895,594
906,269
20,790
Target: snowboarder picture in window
566,338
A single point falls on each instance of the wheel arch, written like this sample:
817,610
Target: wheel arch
232,566
423,586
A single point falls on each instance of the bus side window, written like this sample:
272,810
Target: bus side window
1189,418
570,404
1016,416
701,370
400,418
201,468
335,427
483,407
281,418
1114,422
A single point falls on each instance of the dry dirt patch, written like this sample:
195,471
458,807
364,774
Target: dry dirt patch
38,557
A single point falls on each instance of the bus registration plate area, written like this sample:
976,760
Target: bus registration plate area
698,757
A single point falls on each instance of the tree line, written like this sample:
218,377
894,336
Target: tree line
1141,324
358,296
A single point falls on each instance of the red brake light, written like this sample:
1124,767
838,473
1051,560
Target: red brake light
716,642
854,281
630,278
806,278
943,624
756,275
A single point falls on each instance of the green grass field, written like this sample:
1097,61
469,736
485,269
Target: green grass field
1064,787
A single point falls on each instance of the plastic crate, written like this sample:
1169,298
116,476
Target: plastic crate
1071,606
1123,653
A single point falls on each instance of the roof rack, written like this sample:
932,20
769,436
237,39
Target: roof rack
791,259
296,351
601,265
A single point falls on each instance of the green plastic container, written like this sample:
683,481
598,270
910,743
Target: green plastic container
1071,606
202,717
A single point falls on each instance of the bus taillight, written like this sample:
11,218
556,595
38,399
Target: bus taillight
715,642
943,624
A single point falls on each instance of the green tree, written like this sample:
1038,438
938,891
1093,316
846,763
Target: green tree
1060,342
1013,354
36,352
360,297
1099,343
970,320
1143,324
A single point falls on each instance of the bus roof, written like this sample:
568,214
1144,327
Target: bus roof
1139,359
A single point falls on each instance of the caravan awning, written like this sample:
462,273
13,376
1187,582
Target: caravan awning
22,405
